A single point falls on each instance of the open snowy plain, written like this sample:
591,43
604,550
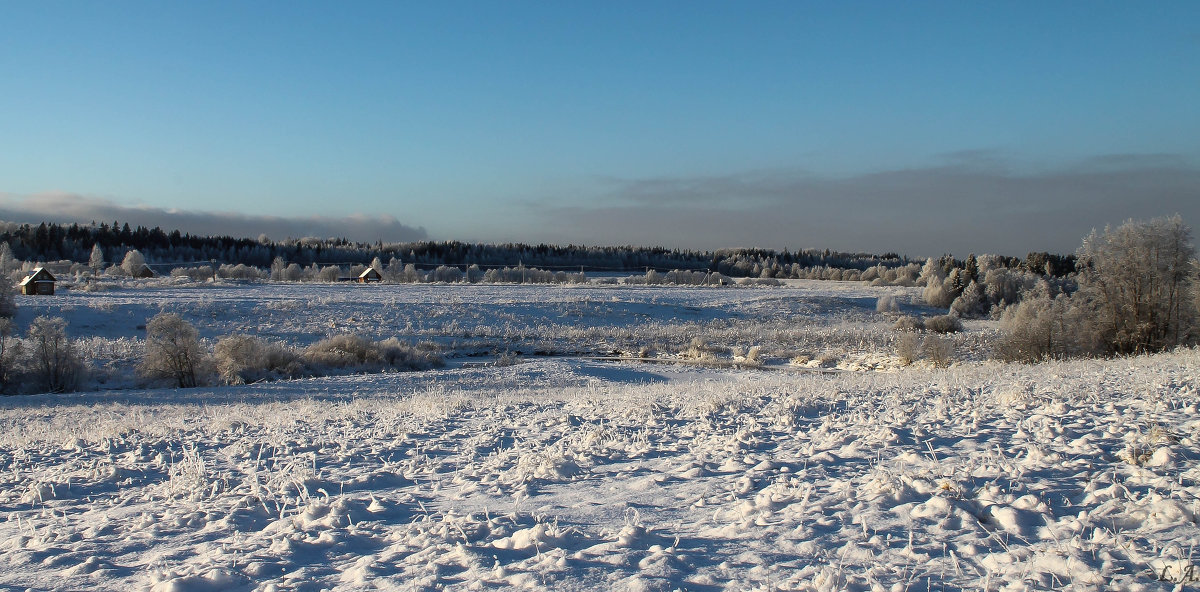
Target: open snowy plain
571,473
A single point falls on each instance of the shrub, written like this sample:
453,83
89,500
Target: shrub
909,323
908,348
398,354
938,350
887,303
1135,282
134,263
353,351
10,355
1040,328
241,272
54,363
972,303
197,274
938,293
173,351
943,324
241,358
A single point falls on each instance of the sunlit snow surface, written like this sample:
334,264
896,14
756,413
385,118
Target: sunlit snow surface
567,474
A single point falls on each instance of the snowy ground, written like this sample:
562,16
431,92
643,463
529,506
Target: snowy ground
829,323
573,474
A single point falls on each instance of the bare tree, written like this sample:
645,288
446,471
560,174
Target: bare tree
10,355
1138,279
55,364
173,351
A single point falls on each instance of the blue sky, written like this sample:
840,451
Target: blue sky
885,126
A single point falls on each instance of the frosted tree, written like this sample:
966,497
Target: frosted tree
133,263
971,303
96,260
10,354
55,364
7,261
8,301
278,269
1138,278
173,351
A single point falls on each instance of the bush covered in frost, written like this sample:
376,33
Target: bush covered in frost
943,324
1135,295
887,303
173,351
909,323
242,358
347,351
52,361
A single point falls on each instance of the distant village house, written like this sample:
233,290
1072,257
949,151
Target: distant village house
369,276
39,282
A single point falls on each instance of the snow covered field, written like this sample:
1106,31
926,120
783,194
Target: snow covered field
574,474
834,323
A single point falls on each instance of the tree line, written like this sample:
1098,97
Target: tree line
163,249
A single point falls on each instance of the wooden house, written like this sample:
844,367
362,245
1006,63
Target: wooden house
144,272
39,282
369,276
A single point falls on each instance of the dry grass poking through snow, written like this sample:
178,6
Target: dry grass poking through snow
561,475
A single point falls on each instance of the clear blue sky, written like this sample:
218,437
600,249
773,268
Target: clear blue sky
693,124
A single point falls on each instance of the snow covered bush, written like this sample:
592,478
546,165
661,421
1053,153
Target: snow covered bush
943,324
196,274
1040,328
329,274
938,350
241,272
173,351
1134,296
446,274
10,355
241,359
909,323
342,351
356,352
133,263
54,364
972,303
398,354
282,271
887,303
908,347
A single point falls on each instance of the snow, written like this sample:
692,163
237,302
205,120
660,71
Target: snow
576,474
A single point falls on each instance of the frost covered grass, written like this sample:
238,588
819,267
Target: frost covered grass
570,475
818,320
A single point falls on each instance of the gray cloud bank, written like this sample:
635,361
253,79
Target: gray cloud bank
67,208
973,203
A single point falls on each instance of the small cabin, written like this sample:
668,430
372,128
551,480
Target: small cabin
144,272
39,282
369,276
